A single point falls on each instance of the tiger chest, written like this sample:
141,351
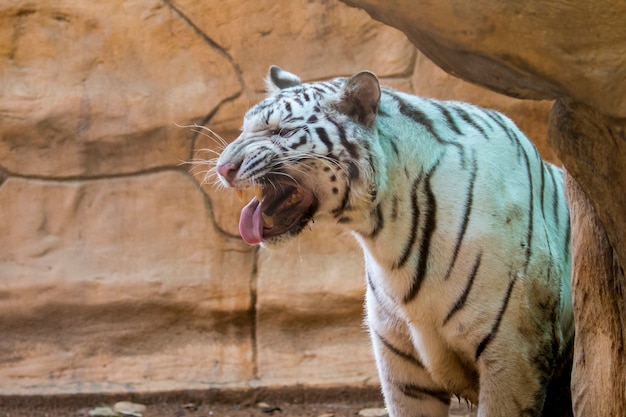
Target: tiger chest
445,357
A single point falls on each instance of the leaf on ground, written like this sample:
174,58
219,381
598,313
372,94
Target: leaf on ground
373,412
126,408
266,408
103,412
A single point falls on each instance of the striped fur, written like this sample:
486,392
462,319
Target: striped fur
464,228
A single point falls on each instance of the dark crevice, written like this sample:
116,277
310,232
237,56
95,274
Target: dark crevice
211,210
182,170
208,40
86,177
3,176
205,121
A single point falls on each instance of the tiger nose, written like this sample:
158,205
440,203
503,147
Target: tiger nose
228,171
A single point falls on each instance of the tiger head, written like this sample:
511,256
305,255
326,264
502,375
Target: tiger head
307,149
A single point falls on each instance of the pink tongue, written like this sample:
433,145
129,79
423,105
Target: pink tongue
251,223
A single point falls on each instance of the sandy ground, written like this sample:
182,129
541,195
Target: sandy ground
291,402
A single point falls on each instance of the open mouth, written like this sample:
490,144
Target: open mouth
279,207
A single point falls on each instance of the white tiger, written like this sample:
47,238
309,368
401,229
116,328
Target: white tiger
464,228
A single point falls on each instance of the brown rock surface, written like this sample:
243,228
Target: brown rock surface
309,297
598,353
595,155
86,91
118,272
116,285
529,49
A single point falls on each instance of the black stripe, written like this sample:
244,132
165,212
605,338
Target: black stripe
496,325
370,159
503,123
373,194
420,393
469,199
353,171
542,180
516,141
531,210
415,213
293,119
469,120
430,222
370,282
288,108
537,156
419,117
468,287
448,116
266,116
406,356
383,308
312,119
330,86
350,147
555,196
568,238
394,148
380,222
260,158
321,133
394,208
382,112
319,89
301,142
496,117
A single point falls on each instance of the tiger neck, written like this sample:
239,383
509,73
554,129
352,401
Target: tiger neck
379,225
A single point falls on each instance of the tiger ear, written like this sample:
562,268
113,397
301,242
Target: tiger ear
360,98
278,78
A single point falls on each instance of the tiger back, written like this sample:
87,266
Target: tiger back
464,229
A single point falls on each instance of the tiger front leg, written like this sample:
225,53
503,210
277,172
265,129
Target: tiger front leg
513,382
407,387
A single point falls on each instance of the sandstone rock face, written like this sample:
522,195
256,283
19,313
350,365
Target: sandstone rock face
86,91
598,375
119,271
525,49
114,284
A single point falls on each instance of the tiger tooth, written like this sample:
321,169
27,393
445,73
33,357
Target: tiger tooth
294,198
267,220
239,193
258,192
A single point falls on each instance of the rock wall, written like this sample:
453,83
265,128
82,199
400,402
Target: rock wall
118,270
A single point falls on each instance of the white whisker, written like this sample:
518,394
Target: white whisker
196,128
